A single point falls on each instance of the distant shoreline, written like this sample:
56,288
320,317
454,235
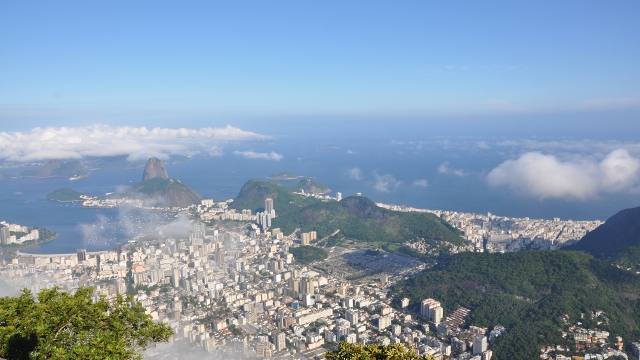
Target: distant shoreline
19,252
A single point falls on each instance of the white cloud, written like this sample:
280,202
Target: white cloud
104,140
355,173
385,183
572,146
482,145
444,168
421,183
545,176
257,155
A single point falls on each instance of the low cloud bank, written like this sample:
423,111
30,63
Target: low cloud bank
104,140
386,182
545,176
444,168
354,173
260,156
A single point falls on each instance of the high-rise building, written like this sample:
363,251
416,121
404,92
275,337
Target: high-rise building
431,309
279,340
384,322
342,331
82,255
199,230
304,240
352,317
487,355
338,196
479,345
268,207
4,234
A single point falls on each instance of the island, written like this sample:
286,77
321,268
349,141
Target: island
66,195
284,176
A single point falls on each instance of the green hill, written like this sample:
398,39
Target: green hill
254,192
64,195
307,254
360,219
614,238
310,186
162,192
527,291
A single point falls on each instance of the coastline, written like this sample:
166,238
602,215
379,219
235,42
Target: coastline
19,252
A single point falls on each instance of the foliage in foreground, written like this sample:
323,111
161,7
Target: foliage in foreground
374,352
59,325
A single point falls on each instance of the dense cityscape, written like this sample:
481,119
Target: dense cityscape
230,285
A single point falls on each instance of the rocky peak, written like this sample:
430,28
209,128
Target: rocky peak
48,169
154,169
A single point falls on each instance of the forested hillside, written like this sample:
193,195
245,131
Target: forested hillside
527,291
360,219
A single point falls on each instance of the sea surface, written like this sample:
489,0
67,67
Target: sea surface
381,167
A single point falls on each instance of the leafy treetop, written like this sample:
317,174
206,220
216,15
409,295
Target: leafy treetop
374,352
59,325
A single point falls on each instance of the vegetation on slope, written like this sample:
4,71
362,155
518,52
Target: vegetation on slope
254,192
165,192
374,352
307,254
360,219
64,195
614,237
527,291
310,186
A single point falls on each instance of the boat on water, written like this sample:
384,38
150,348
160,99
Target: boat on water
74,178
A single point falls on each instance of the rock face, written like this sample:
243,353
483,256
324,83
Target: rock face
49,168
154,169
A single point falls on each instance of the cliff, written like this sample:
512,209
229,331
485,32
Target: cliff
154,169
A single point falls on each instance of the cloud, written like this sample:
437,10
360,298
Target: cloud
355,173
444,168
482,145
105,140
545,176
572,146
256,155
421,183
385,183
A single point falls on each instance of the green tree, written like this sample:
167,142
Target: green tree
374,352
59,325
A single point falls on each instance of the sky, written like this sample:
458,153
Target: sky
549,89
155,62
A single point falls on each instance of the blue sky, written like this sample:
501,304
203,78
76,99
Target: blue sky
123,62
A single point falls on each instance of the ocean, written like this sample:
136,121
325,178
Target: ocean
433,173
